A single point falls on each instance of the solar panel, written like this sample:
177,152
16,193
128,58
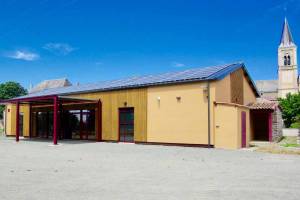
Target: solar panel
196,74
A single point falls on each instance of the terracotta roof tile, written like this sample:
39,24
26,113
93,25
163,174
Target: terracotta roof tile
263,104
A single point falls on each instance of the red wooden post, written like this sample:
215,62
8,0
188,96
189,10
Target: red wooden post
81,125
17,121
30,121
99,135
55,119
270,126
86,125
37,134
47,126
59,124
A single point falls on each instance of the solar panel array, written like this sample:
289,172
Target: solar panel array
140,81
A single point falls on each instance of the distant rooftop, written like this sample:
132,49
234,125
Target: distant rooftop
267,85
50,84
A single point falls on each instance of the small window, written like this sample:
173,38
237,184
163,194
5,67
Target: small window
285,60
289,60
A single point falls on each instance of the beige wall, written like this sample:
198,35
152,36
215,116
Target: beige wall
11,119
172,121
249,95
223,90
228,127
223,93
112,101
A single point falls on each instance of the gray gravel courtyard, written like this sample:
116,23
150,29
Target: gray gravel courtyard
35,170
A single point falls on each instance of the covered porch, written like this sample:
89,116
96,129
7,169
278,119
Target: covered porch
59,117
262,117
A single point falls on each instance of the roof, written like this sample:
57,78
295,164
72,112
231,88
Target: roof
47,84
185,76
263,104
267,85
46,100
286,36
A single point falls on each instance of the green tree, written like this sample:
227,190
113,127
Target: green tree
10,90
290,109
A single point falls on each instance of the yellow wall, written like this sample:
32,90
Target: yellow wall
112,101
223,93
249,95
173,121
11,119
223,90
228,129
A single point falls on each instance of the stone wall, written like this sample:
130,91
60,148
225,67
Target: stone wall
290,132
1,124
1,127
277,125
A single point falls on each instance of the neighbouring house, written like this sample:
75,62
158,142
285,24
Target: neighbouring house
49,84
200,107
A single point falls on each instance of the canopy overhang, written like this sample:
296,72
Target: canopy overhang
47,100
56,102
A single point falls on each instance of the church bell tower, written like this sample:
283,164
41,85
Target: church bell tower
287,63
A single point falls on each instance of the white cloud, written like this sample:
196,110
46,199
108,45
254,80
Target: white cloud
59,48
286,5
23,55
177,64
99,63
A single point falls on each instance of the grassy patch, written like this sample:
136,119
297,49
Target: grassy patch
281,147
278,150
290,145
289,142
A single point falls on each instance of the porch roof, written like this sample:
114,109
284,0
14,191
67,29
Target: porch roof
263,104
48,100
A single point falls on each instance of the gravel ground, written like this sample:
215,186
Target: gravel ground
36,170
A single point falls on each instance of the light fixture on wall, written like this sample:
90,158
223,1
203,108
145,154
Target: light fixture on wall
205,90
125,104
178,98
158,101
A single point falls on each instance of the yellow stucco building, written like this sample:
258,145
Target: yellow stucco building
201,107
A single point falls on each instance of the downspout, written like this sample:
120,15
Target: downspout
208,112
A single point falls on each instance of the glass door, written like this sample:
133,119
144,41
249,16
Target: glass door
21,115
126,125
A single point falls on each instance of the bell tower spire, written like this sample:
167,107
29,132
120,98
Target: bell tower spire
287,63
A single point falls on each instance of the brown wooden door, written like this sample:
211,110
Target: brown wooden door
244,139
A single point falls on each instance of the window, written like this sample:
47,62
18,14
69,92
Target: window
285,60
289,60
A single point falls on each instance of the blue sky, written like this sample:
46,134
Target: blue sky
89,41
